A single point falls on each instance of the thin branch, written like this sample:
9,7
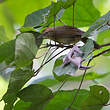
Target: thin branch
38,70
51,54
45,55
59,45
73,12
84,76
61,21
101,53
108,44
74,98
46,59
60,87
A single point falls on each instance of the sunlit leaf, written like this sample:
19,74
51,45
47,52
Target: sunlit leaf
103,38
89,76
99,25
49,82
52,82
3,37
26,49
22,8
84,14
45,17
27,29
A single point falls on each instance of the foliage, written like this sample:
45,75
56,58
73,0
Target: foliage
20,51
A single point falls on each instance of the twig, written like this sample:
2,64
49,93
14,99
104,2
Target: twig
46,59
100,53
73,12
59,45
60,87
74,98
61,21
51,54
45,55
84,76
42,55
37,71
108,44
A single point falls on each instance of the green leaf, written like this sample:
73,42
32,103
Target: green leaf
89,76
103,38
98,96
26,49
99,25
56,10
27,29
38,94
17,80
7,51
87,48
64,98
45,17
49,82
52,82
33,92
61,72
21,105
3,37
85,14
19,9
36,18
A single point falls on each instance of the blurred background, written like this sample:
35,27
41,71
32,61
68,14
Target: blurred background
12,16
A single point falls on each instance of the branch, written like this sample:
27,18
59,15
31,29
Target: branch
38,70
108,44
74,98
61,21
57,45
101,53
73,12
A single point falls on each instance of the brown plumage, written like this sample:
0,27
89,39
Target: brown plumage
65,35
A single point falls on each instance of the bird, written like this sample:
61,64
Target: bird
65,35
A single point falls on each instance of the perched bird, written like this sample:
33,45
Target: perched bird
65,35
